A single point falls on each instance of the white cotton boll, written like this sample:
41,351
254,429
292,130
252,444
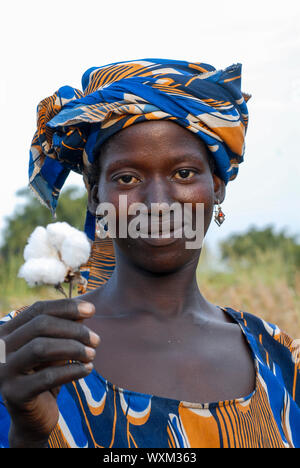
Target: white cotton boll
58,232
54,271
38,245
75,249
43,271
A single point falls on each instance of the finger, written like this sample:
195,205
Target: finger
54,377
42,350
55,391
70,309
52,327
29,386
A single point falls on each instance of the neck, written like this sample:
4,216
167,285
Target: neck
133,290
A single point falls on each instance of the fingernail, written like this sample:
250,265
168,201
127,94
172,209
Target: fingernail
89,366
94,339
90,352
85,308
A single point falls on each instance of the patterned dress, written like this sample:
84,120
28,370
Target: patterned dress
96,413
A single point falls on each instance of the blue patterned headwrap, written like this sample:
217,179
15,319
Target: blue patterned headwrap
73,124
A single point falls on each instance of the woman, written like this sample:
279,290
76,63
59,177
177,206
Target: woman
172,369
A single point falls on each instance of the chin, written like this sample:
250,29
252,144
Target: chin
158,259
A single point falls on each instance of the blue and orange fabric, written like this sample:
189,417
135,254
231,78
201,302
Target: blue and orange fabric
95,413
72,124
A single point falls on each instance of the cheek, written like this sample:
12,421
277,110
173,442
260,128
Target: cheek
202,192
119,203
196,193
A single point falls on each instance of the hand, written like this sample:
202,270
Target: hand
40,343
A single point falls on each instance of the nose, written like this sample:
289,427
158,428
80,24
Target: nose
157,190
159,200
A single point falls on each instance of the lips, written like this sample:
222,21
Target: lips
159,242
158,237
157,227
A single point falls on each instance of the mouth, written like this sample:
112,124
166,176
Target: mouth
159,242
158,239
158,231
157,227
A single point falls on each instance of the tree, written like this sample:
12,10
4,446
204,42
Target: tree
250,245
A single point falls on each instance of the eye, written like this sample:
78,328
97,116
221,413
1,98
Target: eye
182,174
126,179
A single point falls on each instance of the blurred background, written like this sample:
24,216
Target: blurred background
251,262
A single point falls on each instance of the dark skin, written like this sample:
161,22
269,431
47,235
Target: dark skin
150,313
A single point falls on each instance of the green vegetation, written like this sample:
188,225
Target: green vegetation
264,248
30,214
19,226
267,286
258,271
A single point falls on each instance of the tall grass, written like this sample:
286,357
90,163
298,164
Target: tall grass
268,288
15,292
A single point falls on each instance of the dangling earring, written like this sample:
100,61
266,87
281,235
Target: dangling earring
101,228
219,215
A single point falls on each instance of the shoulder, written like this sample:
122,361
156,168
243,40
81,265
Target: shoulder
274,348
12,314
7,317
268,332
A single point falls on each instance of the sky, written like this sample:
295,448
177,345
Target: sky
45,45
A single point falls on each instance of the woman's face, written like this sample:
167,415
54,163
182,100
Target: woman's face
157,162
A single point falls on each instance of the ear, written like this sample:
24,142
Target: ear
93,199
219,189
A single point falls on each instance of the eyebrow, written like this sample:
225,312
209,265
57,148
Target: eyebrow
187,156
120,163
129,162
